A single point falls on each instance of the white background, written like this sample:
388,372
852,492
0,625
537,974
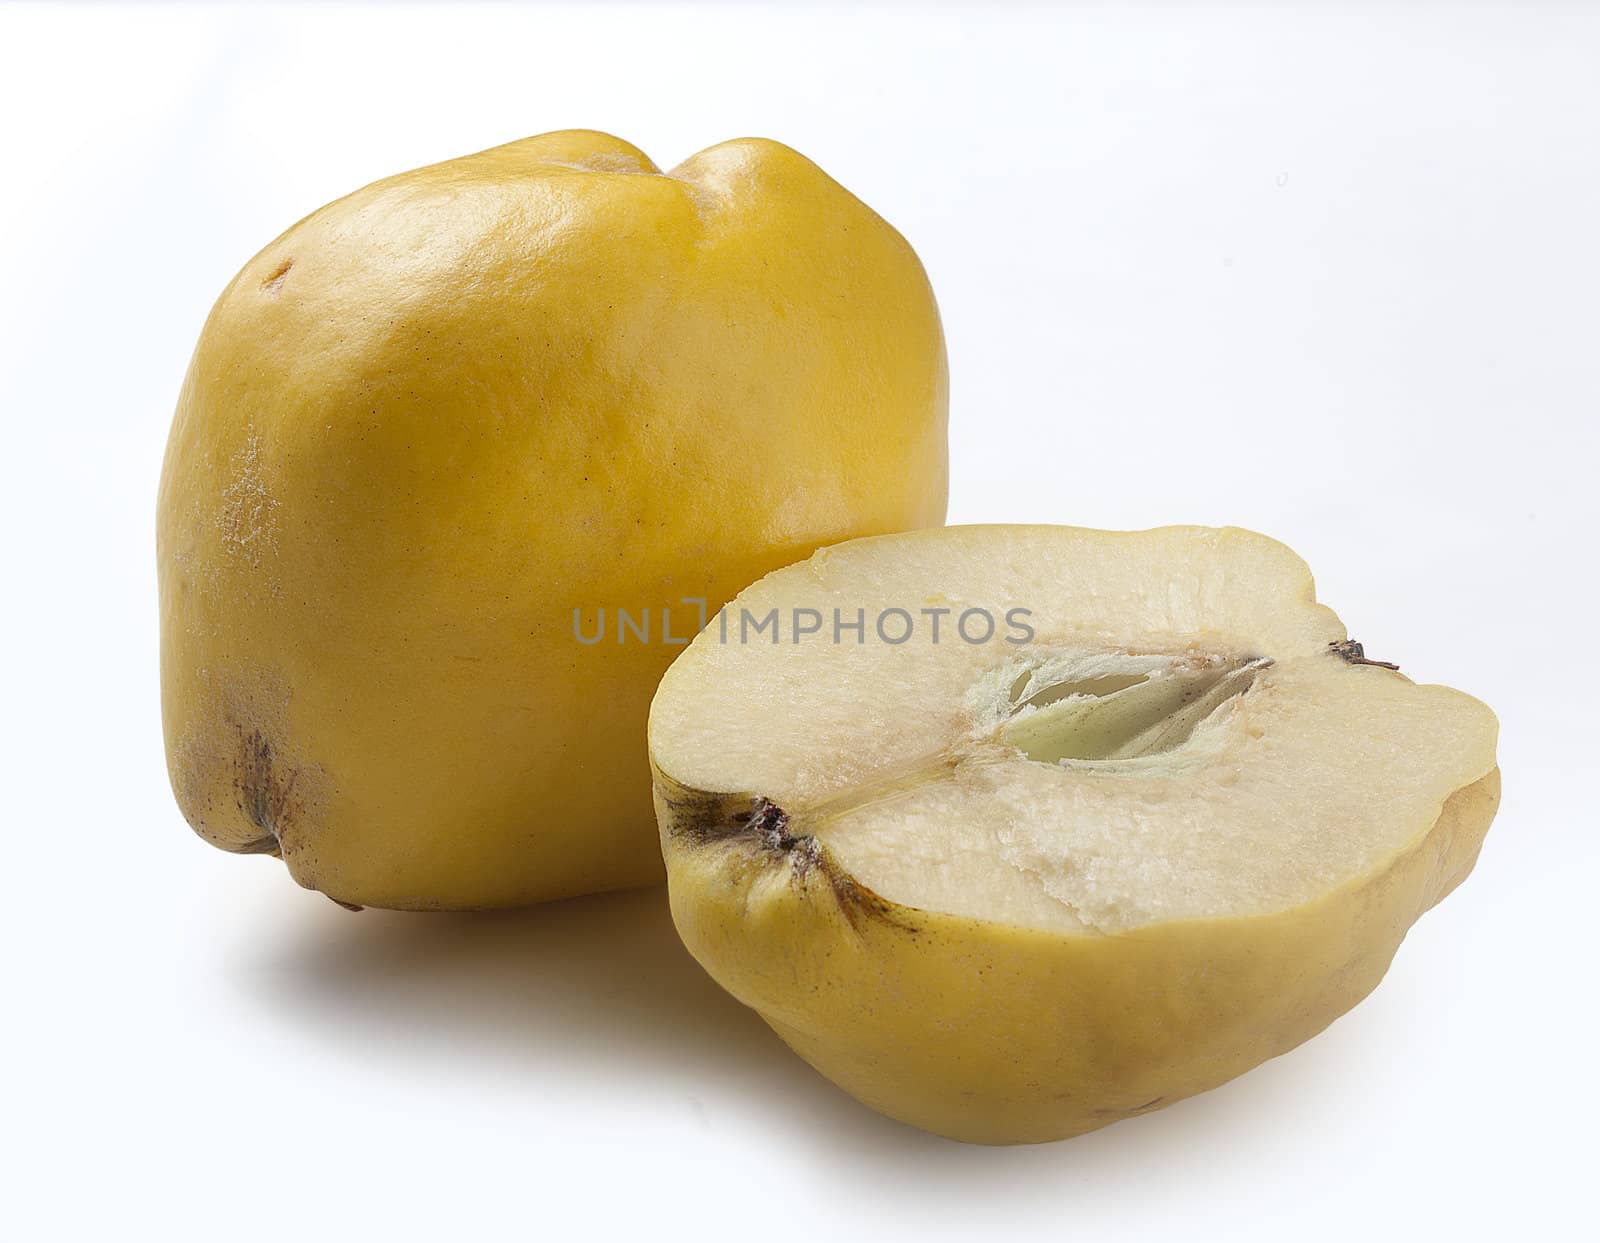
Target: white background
1330,271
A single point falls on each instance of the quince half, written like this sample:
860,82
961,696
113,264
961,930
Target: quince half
1013,832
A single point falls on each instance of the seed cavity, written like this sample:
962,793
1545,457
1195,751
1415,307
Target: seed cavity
1087,709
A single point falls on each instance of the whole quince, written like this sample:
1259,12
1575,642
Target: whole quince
461,461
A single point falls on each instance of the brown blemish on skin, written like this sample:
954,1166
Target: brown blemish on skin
275,282
270,794
1352,653
239,781
264,792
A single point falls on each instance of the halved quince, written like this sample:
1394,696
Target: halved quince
1153,822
